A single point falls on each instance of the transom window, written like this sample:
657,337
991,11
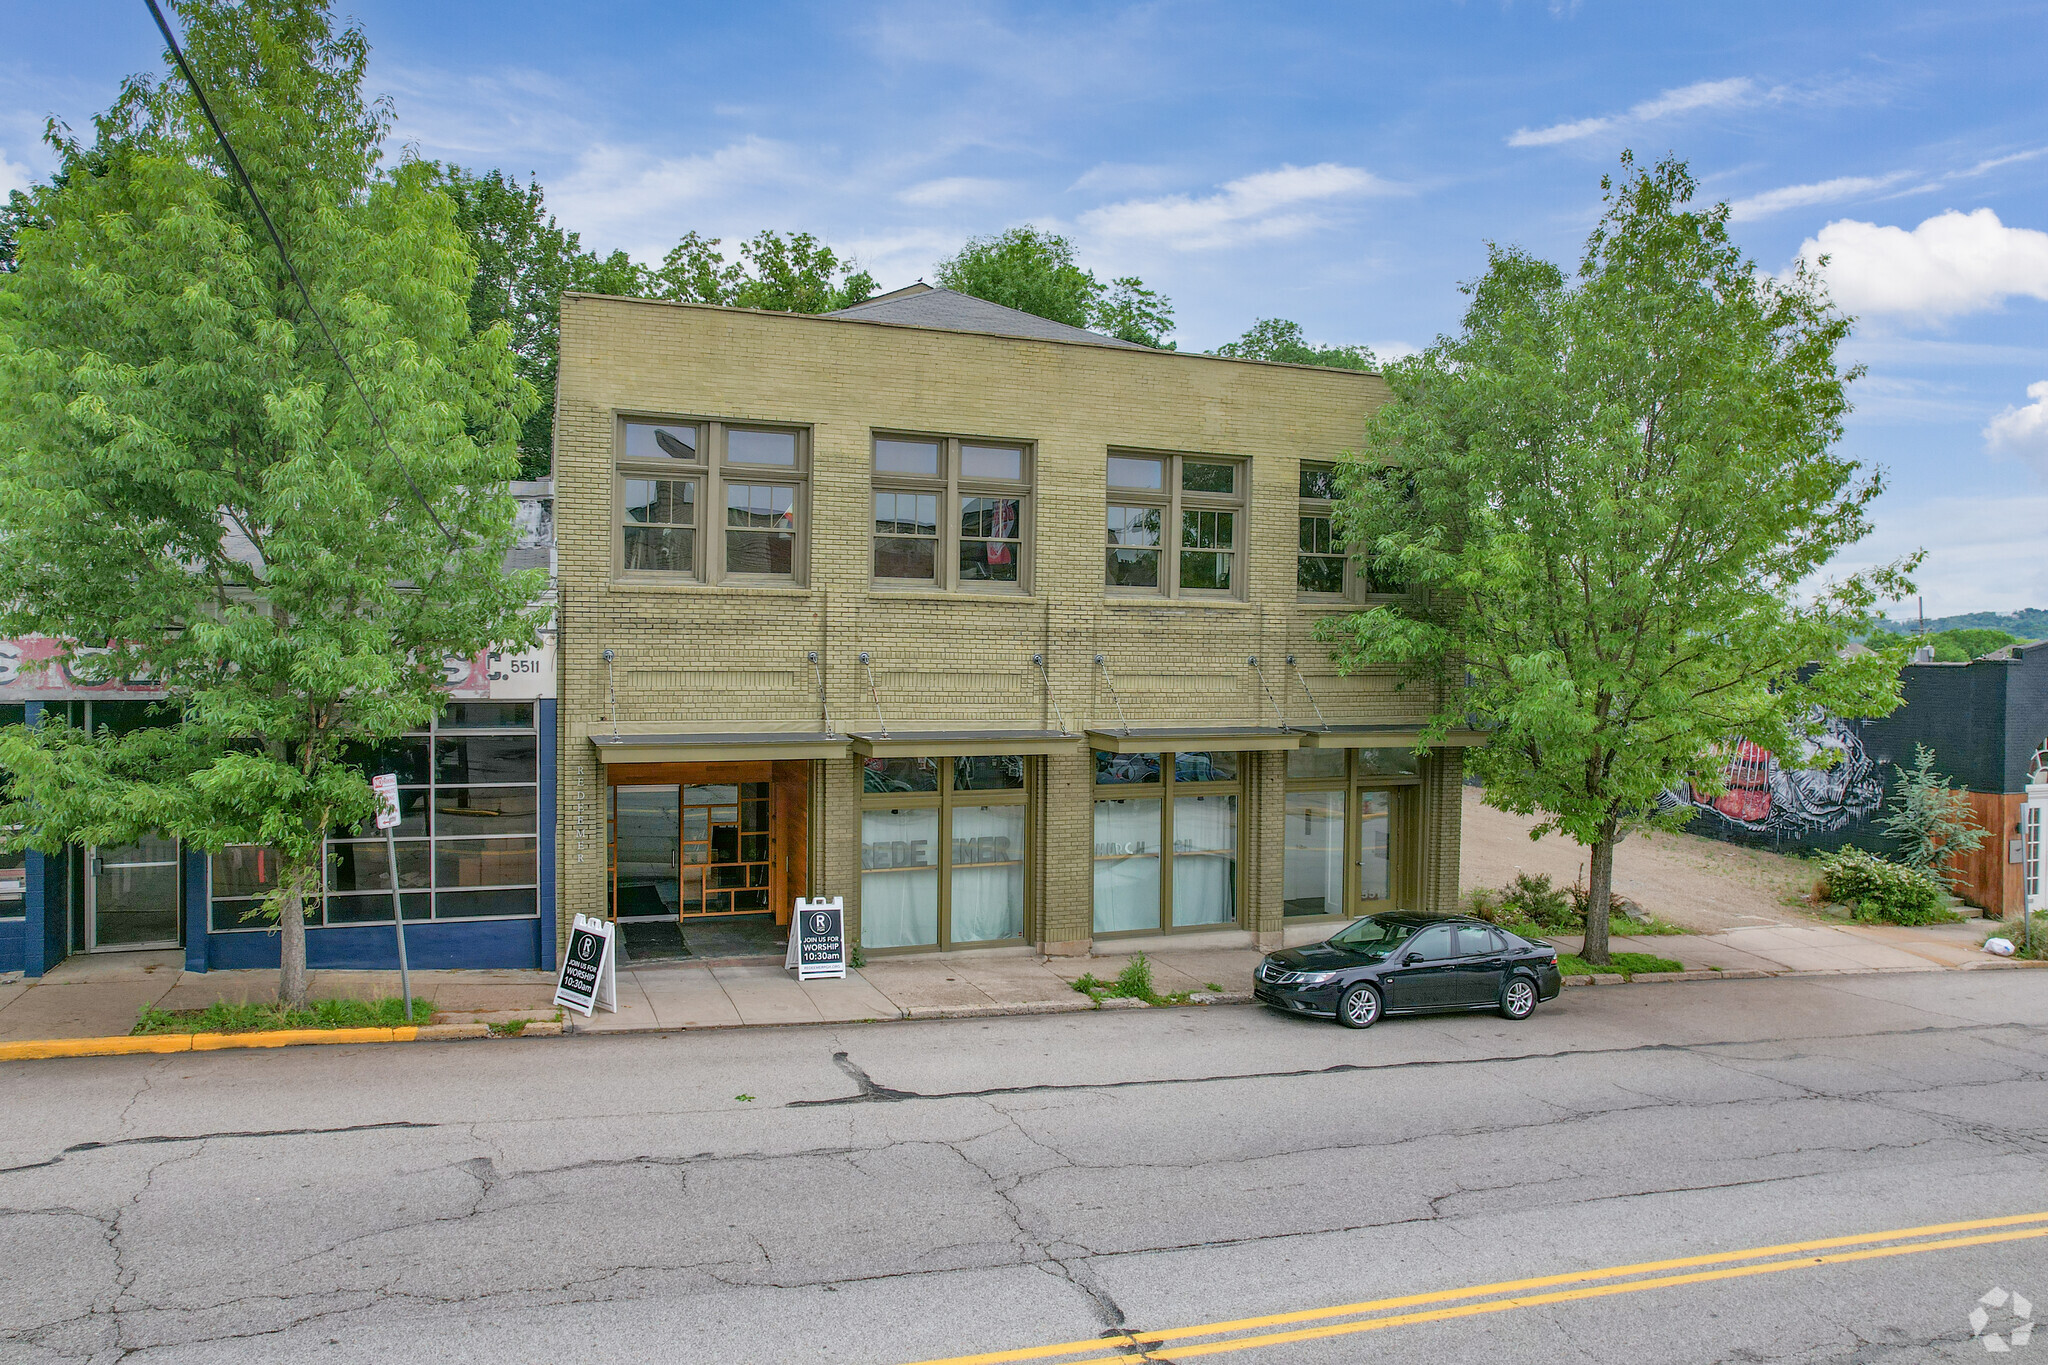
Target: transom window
1323,570
1173,524
950,513
747,482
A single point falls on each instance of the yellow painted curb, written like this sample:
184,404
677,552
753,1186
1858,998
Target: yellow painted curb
38,1049
44,1048
290,1037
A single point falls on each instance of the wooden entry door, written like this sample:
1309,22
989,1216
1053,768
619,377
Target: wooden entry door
738,831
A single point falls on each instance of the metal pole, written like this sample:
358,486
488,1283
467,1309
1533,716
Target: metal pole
398,918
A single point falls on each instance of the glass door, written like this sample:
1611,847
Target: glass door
132,895
646,853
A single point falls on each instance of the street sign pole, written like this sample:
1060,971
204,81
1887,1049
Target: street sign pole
386,787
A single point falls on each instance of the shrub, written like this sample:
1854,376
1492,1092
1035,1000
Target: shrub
1533,899
1874,889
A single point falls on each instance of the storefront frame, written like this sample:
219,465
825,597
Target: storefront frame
1167,790
1361,776
944,800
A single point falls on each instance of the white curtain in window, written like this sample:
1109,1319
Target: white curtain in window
1375,865
1313,872
1204,859
1126,865
899,880
988,873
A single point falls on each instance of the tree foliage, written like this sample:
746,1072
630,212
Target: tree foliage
1278,339
1034,272
1930,820
192,490
1614,494
1961,646
525,260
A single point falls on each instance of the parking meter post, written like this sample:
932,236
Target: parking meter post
398,918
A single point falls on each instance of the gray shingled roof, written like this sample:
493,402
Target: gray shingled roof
921,305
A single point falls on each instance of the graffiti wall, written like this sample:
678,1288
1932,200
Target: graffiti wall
1771,802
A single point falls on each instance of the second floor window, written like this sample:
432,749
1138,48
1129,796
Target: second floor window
711,502
1323,571
1173,524
950,513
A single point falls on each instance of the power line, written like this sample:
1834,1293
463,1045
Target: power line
277,239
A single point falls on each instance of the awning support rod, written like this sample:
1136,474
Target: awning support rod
1051,700
875,693
1279,712
1103,664
611,692
824,711
1305,692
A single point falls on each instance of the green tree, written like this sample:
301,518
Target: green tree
1129,311
1961,646
1033,271
1612,492
798,274
190,481
1279,339
1930,819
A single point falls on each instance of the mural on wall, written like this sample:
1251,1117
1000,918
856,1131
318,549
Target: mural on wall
1764,797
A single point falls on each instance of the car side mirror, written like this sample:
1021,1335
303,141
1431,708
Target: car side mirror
1411,959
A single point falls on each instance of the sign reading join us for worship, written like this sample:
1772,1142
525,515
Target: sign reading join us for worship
817,940
590,969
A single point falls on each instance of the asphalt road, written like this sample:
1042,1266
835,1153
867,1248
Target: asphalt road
901,1192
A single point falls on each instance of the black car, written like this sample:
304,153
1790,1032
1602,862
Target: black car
1404,962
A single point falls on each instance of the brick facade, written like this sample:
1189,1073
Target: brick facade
709,658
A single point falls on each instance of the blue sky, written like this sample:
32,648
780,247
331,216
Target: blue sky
1342,165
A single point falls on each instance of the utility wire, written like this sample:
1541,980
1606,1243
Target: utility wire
249,188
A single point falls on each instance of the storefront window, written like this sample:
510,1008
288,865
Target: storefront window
467,838
1347,813
942,851
1165,861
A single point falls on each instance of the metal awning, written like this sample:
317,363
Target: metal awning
1386,737
753,745
1193,738
964,743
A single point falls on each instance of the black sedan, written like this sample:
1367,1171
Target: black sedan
1403,962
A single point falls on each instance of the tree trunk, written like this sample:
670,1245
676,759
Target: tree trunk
1599,900
291,949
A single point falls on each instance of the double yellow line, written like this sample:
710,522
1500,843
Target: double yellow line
1511,1294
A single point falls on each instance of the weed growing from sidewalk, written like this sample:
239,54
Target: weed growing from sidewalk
224,1016
511,1028
1628,964
1134,982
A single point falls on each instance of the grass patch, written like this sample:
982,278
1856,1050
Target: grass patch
258,1016
1134,982
2012,931
511,1028
1628,964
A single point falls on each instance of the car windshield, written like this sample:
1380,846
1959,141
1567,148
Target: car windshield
1373,935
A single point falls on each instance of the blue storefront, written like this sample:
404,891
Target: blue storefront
475,847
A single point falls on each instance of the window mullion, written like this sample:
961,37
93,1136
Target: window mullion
714,499
949,514
1170,537
1167,763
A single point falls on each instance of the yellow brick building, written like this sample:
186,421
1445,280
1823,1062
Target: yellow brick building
953,611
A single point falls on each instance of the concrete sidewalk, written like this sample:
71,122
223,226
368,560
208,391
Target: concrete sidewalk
101,995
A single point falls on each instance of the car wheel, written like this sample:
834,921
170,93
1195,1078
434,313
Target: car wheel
1360,1007
1518,1000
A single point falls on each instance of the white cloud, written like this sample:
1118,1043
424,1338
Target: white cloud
644,202
1800,196
954,189
2022,431
1285,202
12,177
1983,553
1951,264
1122,177
1725,94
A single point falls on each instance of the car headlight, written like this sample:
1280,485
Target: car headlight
1315,978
